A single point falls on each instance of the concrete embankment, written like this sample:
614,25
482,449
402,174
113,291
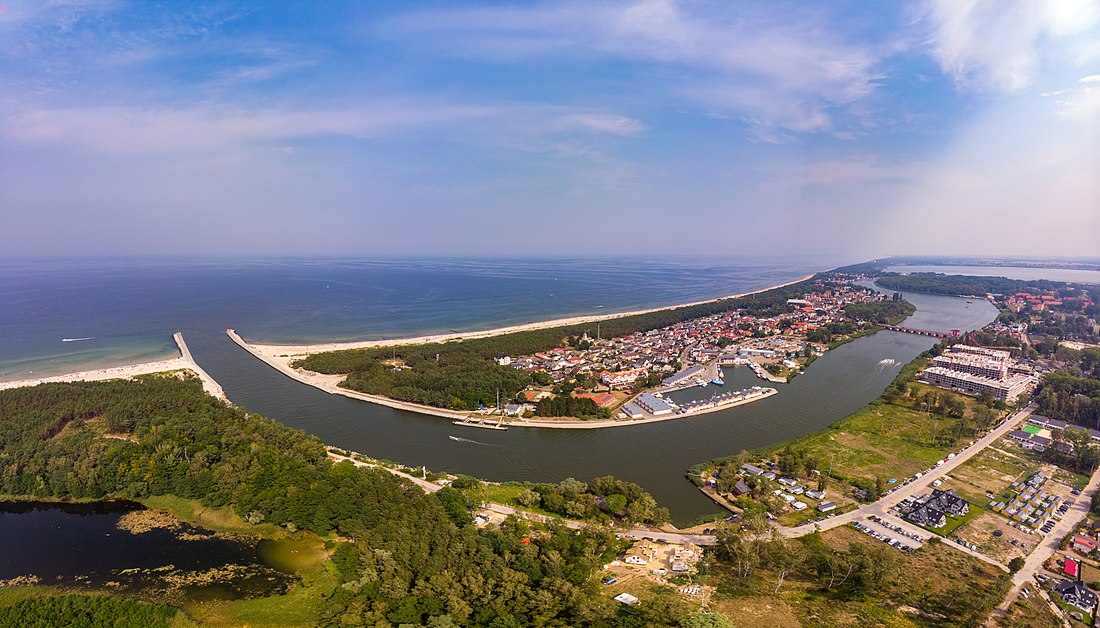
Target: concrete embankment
581,424
330,383
185,362
211,387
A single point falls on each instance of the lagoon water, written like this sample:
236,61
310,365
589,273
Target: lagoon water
1012,272
81,544
318,300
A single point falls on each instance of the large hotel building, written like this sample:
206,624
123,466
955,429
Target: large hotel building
977,370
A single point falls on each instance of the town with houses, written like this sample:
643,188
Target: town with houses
629,375
1009,497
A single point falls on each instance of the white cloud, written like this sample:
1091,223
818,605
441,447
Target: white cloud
1092,78
855,170
203,128
998,44
781,68
601,123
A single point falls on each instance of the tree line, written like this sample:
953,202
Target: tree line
938,283
1073,394
401,556
85,611
888,312
605,499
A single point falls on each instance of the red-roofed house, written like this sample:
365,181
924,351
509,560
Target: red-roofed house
1071,568
601,399
622,378
535,396
1084,544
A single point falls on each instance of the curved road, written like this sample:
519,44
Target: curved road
431,487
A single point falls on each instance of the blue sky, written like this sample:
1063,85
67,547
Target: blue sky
850,129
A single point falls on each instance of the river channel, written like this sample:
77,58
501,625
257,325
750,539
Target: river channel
654,455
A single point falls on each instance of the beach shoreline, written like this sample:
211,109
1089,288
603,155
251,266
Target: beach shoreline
301,350
280,358
128,371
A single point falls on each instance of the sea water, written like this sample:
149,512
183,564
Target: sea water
61,316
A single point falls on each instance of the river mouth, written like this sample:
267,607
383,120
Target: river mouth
121,546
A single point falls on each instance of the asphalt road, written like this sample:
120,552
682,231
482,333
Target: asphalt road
1046,548
882,506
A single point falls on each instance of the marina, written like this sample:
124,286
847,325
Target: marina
727,400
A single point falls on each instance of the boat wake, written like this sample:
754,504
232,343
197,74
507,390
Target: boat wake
468,440
886,362
77,339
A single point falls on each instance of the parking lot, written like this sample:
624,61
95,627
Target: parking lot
891,533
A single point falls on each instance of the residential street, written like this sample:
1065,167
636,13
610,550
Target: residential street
1046,548
882,506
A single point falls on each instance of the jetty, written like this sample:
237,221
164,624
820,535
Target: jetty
212,387
182,362
481,423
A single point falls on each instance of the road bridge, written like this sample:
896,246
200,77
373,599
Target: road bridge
922,332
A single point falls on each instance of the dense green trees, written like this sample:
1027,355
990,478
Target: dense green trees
1074,399
889,312
408,558
565,405
603,499
937,283
829,331
85,611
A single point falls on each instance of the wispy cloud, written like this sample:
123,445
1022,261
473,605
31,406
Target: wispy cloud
997,44
134,130
857,170
772,68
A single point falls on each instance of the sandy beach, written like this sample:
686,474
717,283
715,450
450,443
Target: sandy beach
280,357
129,371
296,351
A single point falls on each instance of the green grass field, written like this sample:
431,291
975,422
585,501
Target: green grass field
506,494
217,519
301,606
924,591
881,440
954,523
